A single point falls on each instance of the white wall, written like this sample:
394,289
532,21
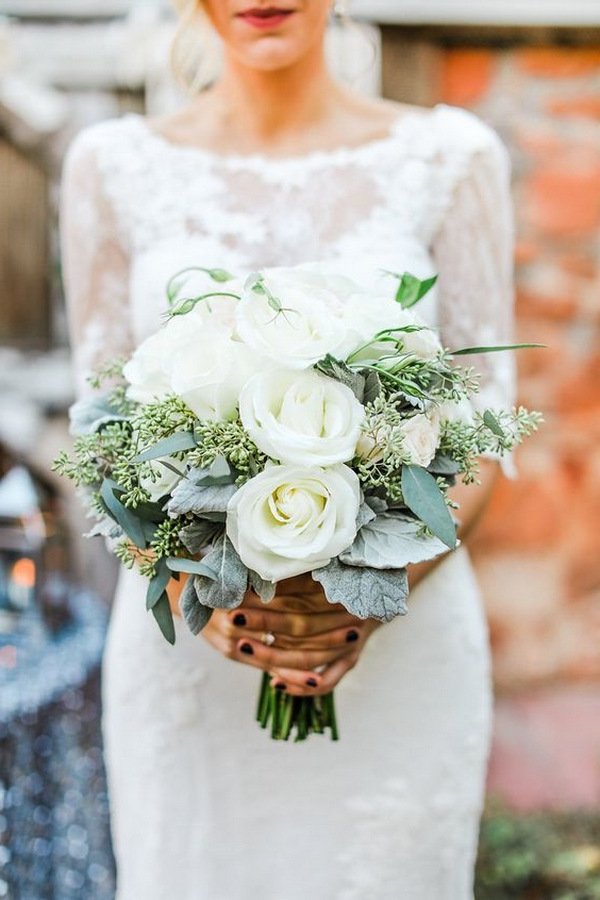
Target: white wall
492,12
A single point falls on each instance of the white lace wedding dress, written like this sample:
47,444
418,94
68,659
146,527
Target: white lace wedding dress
204,805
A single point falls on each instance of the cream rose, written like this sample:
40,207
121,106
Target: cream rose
292,519
420,438
374,313
301,418
296,319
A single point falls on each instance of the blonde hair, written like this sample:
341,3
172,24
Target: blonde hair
196,53
195,50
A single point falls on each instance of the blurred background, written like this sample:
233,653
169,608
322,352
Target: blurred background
531,69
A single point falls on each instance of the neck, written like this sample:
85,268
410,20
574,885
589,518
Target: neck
271,104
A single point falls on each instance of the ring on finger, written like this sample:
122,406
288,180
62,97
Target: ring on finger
267,638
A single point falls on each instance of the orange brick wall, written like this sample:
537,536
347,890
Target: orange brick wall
538,550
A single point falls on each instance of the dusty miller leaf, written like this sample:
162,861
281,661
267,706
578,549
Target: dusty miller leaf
87,416
263,588
195,613
198,534
391,541
193,495
366,593
231,583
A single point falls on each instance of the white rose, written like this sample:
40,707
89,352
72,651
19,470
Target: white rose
149,369
209,372
303,323
292,519
162,479
420,438
301,418
148,380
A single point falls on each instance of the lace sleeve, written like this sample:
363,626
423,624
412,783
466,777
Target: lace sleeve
473,254
95,264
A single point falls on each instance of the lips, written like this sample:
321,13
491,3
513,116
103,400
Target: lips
265,17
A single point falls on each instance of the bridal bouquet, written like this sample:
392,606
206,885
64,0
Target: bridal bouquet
283,423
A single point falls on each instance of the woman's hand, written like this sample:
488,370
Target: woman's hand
309,633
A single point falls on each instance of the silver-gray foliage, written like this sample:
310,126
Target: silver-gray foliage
366,593
265,589
231,581
198,534
195,613
392,541
191,497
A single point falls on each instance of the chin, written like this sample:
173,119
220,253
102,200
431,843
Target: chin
268,55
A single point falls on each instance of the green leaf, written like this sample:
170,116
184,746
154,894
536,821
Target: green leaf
195,614
164,618
220,275
411,289
181,440
158,583
465,351
334,368
364,592
490,420
391,541
423,496
131,525
191,567
373,386
88,416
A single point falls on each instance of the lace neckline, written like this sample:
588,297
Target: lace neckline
333,156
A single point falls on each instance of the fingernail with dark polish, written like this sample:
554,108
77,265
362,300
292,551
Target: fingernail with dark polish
312,682
239,619
279,686
247,649
352,636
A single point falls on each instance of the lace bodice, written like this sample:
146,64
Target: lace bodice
431,196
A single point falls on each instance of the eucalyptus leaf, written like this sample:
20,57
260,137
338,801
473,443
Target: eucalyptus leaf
158,583
198,534
191,567
164,618
490,420
366,593
227,591
131,525
411,289
391,541
181,440
423,496
263,588
195,613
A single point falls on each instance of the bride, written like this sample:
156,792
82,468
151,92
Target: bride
276,163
